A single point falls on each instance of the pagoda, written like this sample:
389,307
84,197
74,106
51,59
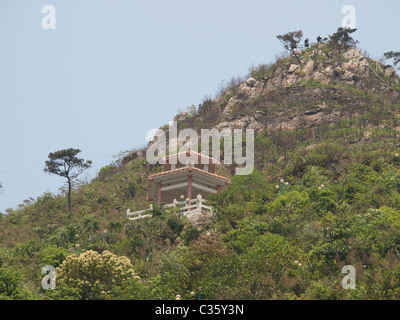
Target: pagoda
189,183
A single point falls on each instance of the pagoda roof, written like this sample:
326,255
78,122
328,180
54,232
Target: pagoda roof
199,155
188,169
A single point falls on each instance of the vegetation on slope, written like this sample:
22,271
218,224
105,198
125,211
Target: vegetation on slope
341,207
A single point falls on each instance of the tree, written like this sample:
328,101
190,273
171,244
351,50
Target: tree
10,280
64,163
290,41
52,255
342,39
95,274
393,55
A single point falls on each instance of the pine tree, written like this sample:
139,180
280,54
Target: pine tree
64,163
342,39
393,55
290,41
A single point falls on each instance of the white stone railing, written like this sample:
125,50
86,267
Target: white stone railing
189,208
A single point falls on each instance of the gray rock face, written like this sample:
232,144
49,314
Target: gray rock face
133,155
251,82
293,68
199,220
348,76
247,122
181,116
309,67
295,82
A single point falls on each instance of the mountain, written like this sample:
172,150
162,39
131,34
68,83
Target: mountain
328,125
288,95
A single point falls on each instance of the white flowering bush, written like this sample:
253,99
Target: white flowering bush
95,274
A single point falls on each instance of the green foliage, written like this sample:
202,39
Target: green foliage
291,203
10,281
393,55
290,41
174,273
131,289
63,292
323,200
176,224
262,71
107,172
318,291
314,177
189,234
341,207
245,234
65,163
342,39
157,211
52,255
91,223
94,274
270,254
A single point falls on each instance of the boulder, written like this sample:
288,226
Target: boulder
181,116
352,53
348,76
251,82
318,76
390,72
309,67
329,71
293,68
201,219
291,79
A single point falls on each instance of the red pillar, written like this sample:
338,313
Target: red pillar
189,192
218,188
159,194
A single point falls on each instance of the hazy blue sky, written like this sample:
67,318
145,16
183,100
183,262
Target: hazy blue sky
112,70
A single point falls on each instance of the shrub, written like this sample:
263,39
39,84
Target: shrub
10,280
290,203
262,71
314,177
245,234
107,172
52,255
91,223
270,254
94,274
189,234
323,200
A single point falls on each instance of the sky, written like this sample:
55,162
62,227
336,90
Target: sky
108,72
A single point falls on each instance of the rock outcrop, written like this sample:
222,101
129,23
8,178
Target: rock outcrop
290,81
326,87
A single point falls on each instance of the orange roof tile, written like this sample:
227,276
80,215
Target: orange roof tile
194,152
151,177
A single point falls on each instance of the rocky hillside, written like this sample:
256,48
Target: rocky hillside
329,126
326,87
